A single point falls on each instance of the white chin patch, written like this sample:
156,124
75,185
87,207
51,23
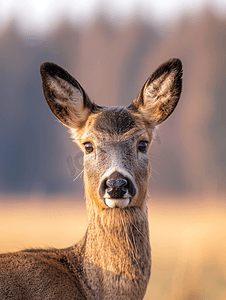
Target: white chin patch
121,203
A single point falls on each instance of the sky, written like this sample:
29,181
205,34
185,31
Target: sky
38,15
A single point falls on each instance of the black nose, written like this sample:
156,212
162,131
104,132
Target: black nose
112,183
116,186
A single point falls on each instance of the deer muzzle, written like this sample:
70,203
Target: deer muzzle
117,190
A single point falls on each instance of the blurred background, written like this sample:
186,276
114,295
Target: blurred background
111,48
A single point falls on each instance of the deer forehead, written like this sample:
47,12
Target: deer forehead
114,125
115,121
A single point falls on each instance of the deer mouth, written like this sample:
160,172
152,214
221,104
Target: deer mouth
117,202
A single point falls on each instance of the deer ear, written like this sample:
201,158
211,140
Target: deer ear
161,92
65,96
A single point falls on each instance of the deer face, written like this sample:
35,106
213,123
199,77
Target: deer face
116,165
115,140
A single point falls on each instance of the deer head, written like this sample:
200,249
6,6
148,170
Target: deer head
115,140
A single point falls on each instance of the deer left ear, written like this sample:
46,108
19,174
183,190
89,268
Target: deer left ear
161,92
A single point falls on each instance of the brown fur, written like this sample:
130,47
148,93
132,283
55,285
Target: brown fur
113,261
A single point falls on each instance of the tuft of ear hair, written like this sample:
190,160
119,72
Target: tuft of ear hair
160,93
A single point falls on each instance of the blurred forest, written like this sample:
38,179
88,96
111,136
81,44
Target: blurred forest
112,63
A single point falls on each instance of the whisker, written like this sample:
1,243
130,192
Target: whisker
78,175
155,172
154,160
152,178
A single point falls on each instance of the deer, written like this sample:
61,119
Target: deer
113,260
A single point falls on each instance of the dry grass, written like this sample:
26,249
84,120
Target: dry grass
188,240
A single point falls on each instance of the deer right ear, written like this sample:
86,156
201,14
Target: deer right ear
161,92
65,96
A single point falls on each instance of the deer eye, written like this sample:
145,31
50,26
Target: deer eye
88,147
142,146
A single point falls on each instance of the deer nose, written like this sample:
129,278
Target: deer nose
117,186
112,183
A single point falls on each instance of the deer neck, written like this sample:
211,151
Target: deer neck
117,250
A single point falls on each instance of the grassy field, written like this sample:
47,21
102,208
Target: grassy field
188,240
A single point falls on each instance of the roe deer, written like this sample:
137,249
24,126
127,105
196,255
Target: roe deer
113,260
